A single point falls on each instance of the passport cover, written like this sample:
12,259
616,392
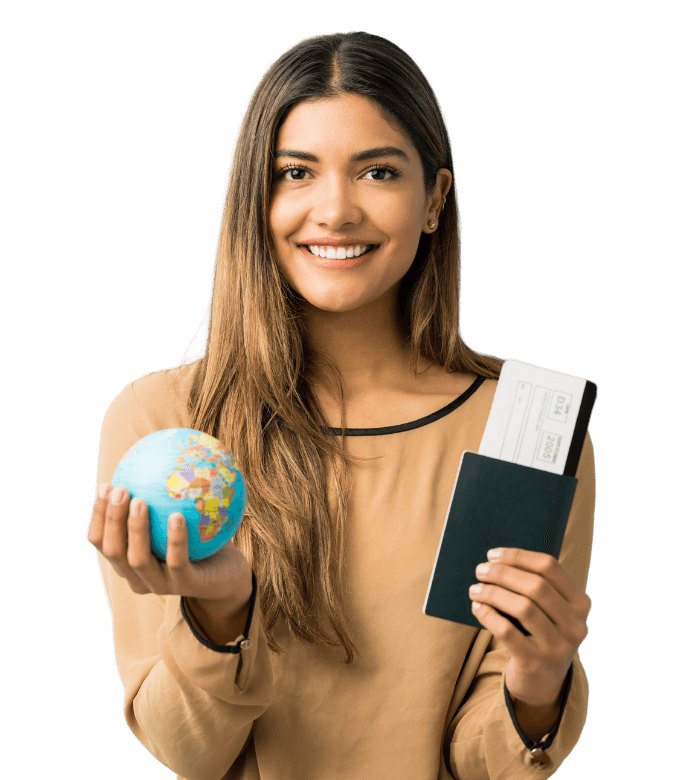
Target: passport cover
495,503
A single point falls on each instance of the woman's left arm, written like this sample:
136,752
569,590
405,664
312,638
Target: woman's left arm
537,590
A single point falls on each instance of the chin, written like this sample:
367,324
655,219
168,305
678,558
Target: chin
333,306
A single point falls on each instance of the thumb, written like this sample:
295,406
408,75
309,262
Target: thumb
177,556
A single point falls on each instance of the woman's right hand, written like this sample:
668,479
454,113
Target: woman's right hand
223,579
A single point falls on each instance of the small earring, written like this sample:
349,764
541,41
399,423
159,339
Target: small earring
432,224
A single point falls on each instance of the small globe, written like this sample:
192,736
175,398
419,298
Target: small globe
186,471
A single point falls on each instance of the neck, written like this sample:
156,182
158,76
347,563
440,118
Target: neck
369,346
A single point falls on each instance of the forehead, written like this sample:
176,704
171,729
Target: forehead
346,124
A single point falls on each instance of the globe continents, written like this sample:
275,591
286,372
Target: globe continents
186,471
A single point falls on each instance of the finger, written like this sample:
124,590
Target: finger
565,628
95,534
530,585
547,566
139,556
177,557
545,636
114,543
518,645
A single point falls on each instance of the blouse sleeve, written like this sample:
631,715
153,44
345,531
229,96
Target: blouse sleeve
484,739
191,703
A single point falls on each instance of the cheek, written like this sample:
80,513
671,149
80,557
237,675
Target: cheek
275,220
283,220
403,220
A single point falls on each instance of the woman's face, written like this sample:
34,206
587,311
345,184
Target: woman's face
346,179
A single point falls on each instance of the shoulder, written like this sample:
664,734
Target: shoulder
152,402
157,400
169,385
437,381
483,392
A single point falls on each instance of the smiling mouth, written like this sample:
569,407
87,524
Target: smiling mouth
339,252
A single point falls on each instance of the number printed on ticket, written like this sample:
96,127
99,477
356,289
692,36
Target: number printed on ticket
538,418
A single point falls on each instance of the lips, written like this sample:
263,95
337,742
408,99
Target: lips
339,252
323,241
334,262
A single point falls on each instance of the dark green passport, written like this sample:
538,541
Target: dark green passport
494,504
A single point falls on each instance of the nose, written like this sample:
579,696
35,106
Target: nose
336,204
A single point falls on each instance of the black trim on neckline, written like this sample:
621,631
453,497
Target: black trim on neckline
416,423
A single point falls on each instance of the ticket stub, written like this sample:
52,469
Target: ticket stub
538,418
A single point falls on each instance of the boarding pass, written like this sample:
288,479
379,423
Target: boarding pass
538,418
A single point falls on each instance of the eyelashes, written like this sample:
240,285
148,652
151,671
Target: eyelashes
385,167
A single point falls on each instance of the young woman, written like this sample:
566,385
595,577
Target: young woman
335,373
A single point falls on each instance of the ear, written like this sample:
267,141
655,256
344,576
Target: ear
437,199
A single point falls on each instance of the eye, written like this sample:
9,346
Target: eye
292,169
297,172
379,169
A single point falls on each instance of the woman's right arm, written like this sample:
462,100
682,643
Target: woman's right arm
190,699
222,623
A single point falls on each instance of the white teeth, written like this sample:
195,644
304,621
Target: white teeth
341,252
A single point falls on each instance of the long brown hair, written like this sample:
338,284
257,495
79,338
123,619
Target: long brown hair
251,389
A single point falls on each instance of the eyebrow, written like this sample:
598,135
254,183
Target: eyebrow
367,154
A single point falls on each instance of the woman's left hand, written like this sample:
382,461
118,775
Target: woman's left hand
535,589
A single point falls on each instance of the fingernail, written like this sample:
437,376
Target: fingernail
104,489
136,508
118,495
482,568
175,522
495,554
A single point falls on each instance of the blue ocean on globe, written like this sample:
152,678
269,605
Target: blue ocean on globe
186,471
